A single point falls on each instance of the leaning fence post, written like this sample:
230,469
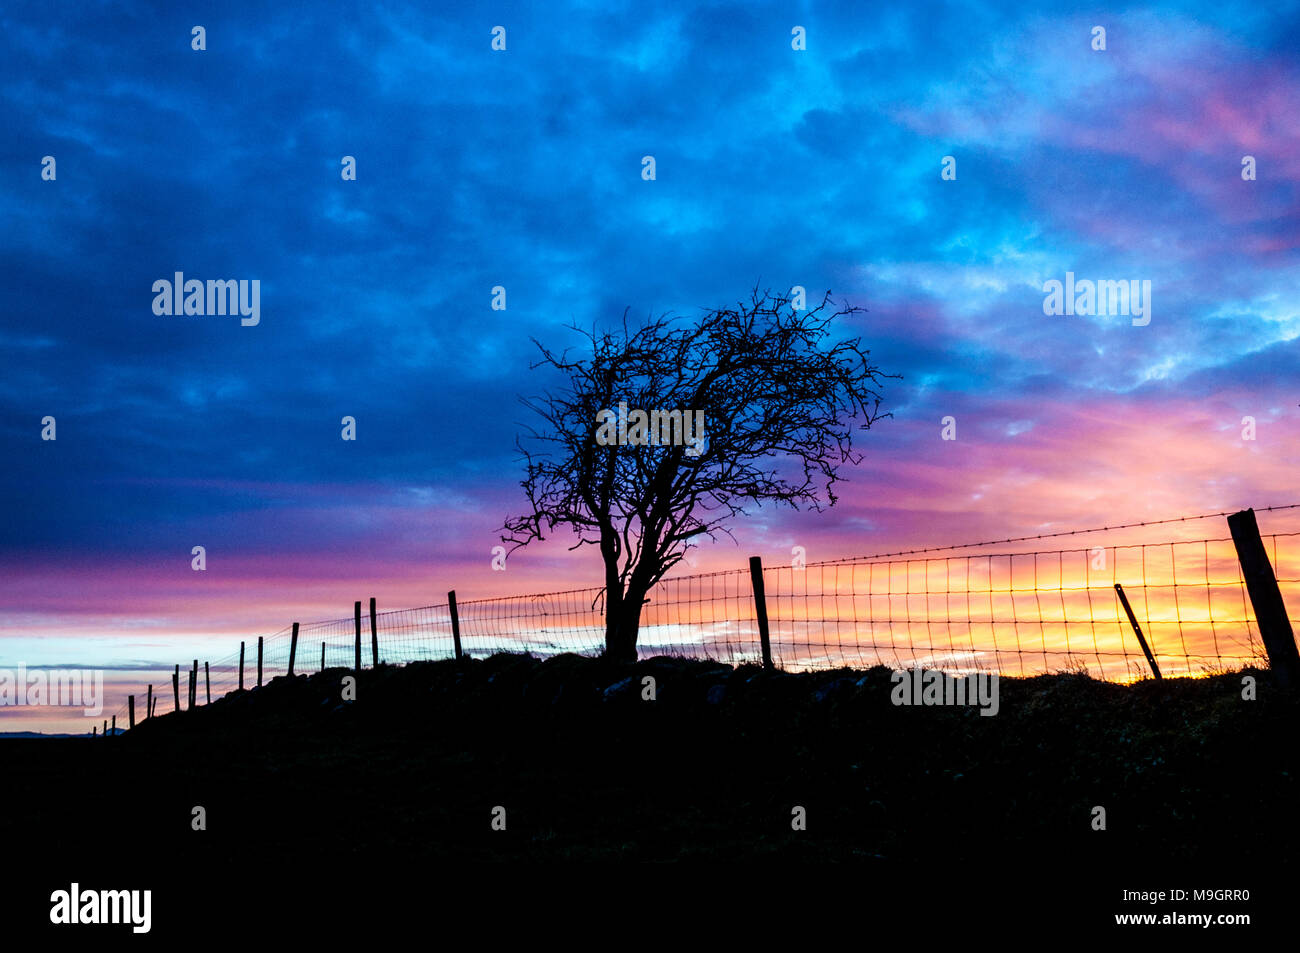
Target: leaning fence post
130,711
374,635
148,703
1266,598
293,648
760,608
241,666
105,727
259,661
357,614
1137,630
207,683
455,622
176,688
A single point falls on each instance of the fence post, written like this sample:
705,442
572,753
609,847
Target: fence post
455,622
115,726
1270,610
322,656
293,648
130,711
176,688
259,661
241,666
760,609
207,683
1137,630
374,636
194,684
357,615
105,727
94,731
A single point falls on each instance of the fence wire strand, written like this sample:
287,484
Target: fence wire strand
1017,614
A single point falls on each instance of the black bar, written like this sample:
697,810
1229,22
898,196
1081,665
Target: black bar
374,635
1137,630
760,607
1266,598
357,614
455,622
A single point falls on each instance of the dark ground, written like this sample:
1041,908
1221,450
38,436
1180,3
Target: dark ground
314,804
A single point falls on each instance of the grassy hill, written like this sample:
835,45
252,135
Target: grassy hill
1195,781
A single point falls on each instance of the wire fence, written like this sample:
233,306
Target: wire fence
1013,613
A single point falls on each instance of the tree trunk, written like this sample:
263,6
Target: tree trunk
617,646
622,646
623,607
623,622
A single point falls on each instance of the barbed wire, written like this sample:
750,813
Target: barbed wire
1070,532
957,612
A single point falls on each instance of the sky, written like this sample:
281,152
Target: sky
522,168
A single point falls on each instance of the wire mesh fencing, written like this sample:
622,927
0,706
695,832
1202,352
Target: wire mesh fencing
1029,613
1013,613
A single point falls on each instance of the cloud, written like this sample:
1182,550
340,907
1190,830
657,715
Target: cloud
522,169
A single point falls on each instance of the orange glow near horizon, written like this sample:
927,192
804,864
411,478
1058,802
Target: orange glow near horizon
1015,613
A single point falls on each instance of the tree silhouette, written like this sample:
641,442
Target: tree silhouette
779,401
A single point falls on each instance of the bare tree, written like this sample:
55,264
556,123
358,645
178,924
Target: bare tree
779,405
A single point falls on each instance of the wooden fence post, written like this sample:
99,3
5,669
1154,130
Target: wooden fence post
176,688
322,656
357,613
259,661
374,636
455,622
241,666
1137,630
115,726
130,711
293,648
207,683
148,703
760,609
94,731
1270,610
194,684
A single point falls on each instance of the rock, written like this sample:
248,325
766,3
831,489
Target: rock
619,688
831,689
